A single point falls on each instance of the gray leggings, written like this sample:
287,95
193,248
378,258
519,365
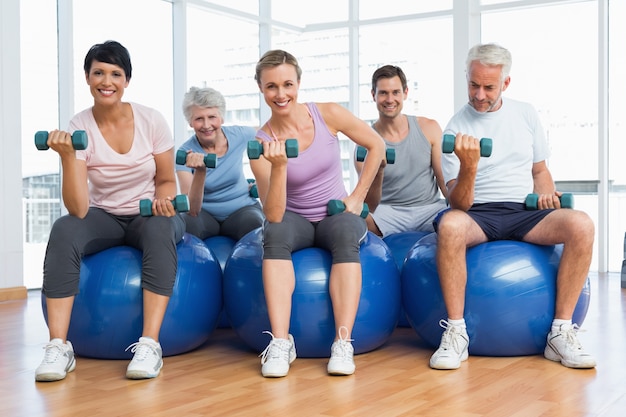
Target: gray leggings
71,238
235,226
341,234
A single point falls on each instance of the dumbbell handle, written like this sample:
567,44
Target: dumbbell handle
337,206
390,154
447,146
180,203
210,159
255,148
566,199
79,140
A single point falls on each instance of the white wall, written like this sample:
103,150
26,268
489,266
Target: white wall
11,248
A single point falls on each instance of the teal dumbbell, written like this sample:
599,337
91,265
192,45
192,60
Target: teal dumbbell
254,192
486,145
337,206
390,154
255,148
210,159
180,203
566,199
79,140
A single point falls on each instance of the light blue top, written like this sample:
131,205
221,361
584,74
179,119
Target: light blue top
225,186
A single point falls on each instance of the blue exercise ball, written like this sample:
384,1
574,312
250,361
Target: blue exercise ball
400,244
510,296
312,322
221,246
108,310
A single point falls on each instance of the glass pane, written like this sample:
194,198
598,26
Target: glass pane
375,9
227,65
247,6
430,89
323,57
555,69
617,133
151,84
145,29
40,111
304,13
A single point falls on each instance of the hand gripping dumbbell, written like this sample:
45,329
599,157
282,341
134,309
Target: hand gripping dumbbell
390,154
255,148
566,199
210,159
486,145
337,206
79,140
180,203
253,191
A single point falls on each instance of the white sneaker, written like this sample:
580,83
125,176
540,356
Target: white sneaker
341,355
57,361
563,346
277,357
453,348
147,361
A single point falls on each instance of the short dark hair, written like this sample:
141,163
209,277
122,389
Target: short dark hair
389,71
111,52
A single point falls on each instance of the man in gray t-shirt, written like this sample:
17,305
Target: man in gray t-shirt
408,193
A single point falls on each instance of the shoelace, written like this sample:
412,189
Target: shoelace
53,351
342,348
141,350
570,337
448,341
277,349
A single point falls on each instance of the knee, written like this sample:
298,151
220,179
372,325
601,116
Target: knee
452,223
582,227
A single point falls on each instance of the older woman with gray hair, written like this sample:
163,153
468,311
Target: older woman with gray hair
219,197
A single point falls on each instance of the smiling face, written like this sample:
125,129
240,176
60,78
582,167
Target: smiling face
389,96
206,122
107,82
485,86
279,86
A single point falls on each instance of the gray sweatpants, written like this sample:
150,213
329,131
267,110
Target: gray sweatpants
71,238
341,234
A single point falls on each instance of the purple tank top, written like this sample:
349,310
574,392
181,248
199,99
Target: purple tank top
315,176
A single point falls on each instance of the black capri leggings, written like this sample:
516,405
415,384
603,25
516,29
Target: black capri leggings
341,234
71,238
235,226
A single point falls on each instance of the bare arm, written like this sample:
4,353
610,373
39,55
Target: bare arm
339,119
375,193
165,184
433,133
192,184
74,186
270,172
544,186
461,189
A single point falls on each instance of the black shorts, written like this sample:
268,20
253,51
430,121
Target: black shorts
502,221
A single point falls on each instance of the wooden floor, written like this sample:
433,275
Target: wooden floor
223,378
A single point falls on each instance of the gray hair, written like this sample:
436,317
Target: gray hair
490,54
205,98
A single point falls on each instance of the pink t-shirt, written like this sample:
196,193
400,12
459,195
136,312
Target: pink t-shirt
118,181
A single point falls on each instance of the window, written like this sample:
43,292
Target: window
555,69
